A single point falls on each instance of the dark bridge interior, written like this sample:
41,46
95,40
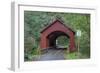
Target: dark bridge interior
52,38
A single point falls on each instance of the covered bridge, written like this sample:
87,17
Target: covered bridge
56,29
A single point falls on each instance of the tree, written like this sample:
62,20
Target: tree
35,21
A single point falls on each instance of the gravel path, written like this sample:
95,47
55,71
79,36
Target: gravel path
52,54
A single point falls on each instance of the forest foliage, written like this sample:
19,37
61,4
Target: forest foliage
35,21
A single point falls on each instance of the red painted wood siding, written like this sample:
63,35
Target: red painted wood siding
57,26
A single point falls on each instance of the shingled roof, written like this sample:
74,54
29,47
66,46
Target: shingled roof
57,20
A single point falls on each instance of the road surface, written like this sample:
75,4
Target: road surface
51,54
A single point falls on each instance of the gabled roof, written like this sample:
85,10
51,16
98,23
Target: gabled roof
57,20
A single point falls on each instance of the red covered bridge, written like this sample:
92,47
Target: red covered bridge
55,30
